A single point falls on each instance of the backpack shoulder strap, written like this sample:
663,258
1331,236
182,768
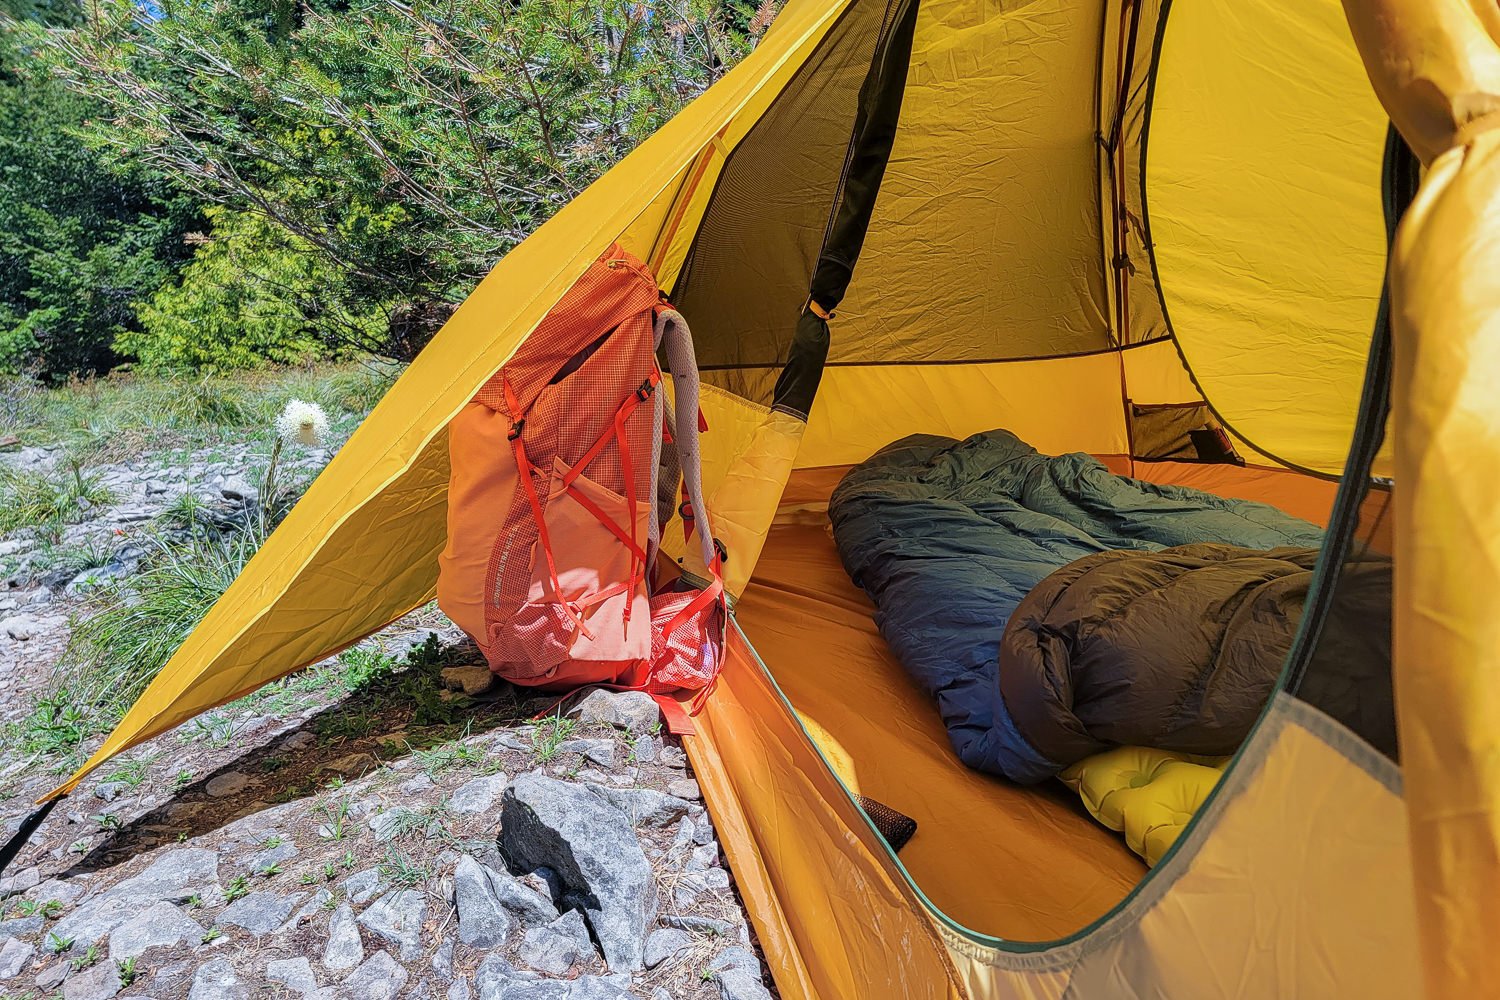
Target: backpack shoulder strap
676,341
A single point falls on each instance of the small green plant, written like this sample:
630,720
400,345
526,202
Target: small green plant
213,935
195,902
330,871
57,944
273,841
183,779
447,755
79,846
108,822
24,908
400,869
335,815
33,499
128,971
272,764
238,886
269,871
548,737
51,909
88,958
349,860
131,772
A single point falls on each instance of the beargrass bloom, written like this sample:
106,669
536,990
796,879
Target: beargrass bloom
302,423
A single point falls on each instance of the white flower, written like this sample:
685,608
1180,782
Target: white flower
302,423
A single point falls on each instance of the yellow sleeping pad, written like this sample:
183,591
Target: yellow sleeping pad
1149,795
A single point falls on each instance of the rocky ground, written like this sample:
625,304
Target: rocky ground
386,824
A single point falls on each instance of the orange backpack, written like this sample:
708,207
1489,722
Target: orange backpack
553,510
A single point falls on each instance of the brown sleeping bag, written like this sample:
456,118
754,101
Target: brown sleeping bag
1177,649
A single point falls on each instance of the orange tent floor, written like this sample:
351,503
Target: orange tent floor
1026,864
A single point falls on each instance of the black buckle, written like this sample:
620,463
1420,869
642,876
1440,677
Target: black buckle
685,509
515,429
645,391
721,550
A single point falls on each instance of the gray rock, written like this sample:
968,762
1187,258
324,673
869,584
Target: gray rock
295,974
307,911
345,949
644,806
177,875
63,892
94,919
554,948
108,791
495,977
99,981
281,853
217,980
238,488
582,988
471,680
703,833
591,846
459,990
664,943
601,752
260,913
482,921
14,956
397,917
229,783
158,926
379,978
632,710
478,795
685,788
19,627
363,886
673,757
694,884
646,749
703,858
26,878
52,976
531,908
415,786
20,926
689,922
442,960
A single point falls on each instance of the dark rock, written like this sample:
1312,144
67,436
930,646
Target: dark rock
593,849
229,783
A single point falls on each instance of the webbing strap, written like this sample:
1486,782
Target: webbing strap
525,470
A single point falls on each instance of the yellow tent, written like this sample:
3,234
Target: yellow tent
1095,223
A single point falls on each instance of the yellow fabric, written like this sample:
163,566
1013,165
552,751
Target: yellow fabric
361,547
1022,863
978,244
860,409
1436,65
1301,887
1263,190
1149,795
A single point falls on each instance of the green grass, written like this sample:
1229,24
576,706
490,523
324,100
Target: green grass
549,736
400,869
48,500
122,416
115,653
